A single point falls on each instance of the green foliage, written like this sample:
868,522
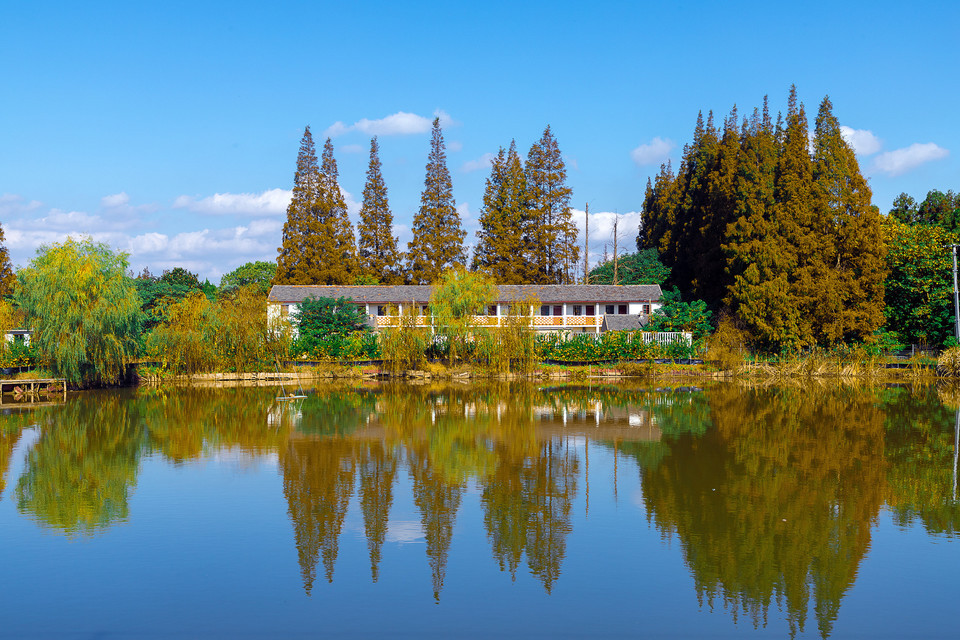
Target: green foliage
318,242
610,346
324,324
457,298
438,235
919,288
257,273
512,346
377,247
404,347
642,267
83,309
677,315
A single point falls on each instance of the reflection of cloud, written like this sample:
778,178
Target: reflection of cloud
653,152
864,143
270,202
404,532
900,161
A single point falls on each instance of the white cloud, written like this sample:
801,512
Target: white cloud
864,143
900,161
353,205
352,148
400,123
483,162
454,146
116,200
270,202
653,152
12,204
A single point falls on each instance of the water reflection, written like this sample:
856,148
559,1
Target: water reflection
772,493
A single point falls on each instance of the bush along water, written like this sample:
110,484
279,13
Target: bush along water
612,346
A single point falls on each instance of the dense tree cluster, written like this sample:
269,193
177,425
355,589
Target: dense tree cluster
526,232
783,235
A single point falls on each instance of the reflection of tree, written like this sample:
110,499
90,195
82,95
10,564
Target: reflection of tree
79,473
8,442
181,421
318,478
777,500
438,500
378,470
920,455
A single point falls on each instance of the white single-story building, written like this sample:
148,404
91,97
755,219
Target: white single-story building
575,307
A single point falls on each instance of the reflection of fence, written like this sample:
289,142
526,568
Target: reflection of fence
499,321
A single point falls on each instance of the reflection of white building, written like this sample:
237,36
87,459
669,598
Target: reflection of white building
577,308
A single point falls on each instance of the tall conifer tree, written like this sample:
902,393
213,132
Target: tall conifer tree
438,235
377,247
506,230
7,277
851,306
554,235
318,244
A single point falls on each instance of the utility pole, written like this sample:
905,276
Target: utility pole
616,224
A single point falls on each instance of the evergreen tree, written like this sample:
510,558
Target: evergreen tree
556,252
506,230
7,277
377,246
850,304
437,232
298,258
318,243
905,209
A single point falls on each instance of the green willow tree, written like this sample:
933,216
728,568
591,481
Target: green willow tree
438,235
318,243
555,251
377,247
506,224
83,309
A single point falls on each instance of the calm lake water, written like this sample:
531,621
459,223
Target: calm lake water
482,511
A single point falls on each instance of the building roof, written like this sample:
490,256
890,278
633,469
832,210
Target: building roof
623,323
545,293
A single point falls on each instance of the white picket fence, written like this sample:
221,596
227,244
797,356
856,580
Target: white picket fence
666,338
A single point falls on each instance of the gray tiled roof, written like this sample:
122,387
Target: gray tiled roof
421,293
623,323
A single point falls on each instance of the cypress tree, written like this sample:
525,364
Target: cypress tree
337,242
554,246
437,232
853,251
504,250
298,257
379,257
7,277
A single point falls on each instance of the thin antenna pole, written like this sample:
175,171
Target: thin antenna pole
586,243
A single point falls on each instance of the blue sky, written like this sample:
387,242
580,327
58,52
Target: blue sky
170,129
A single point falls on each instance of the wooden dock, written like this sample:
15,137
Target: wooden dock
32,388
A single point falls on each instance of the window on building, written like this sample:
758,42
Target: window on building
591,310
284,310
622,309
491,310
646,309
544,309
381,309
424,309
578,309
558,309
608,309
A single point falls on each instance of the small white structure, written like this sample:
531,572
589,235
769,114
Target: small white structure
17,335
574,308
